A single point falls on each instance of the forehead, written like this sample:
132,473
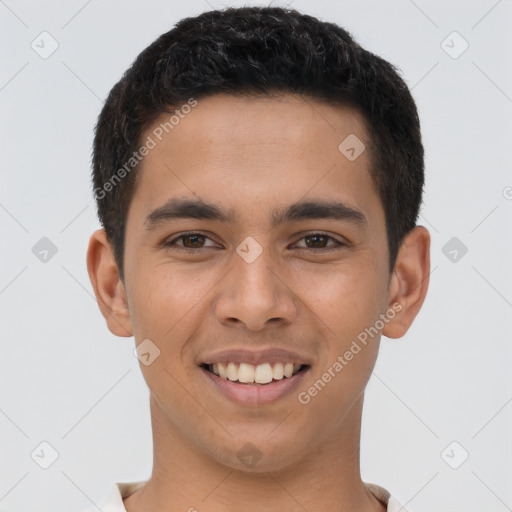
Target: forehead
283,121
255,150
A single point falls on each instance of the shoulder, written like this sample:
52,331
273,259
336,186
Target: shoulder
384,496
114,499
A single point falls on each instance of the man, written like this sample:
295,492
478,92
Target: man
258,176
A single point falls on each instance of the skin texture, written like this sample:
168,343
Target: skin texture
253,155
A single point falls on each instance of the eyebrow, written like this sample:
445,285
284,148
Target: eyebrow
177,208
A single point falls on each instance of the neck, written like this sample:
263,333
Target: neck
185,478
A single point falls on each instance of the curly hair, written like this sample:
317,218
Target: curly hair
261,50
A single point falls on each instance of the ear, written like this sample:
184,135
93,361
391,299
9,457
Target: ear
108,287
409,281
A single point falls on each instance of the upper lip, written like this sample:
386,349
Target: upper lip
255,357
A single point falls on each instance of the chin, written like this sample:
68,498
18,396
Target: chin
259,453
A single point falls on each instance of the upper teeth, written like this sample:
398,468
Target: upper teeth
247,373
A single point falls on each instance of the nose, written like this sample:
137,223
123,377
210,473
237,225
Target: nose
255,294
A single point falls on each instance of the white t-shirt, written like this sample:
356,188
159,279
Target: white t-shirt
120,490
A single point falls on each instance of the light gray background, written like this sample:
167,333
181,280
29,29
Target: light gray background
66,380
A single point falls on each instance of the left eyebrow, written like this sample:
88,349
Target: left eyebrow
197,209
318,210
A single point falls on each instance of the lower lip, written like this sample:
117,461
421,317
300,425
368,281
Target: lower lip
256,394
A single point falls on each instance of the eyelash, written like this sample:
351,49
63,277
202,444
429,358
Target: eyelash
170,243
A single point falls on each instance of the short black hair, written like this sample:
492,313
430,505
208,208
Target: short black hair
260,50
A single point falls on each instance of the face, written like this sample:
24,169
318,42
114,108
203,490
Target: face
254,245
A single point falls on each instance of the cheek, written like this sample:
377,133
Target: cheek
349,297
162,297
334,391
350,304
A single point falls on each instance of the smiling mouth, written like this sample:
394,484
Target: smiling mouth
243,373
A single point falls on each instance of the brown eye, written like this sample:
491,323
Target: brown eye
320,241
317,241
195,241
190,242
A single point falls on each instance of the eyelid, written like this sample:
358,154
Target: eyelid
337,243
171,242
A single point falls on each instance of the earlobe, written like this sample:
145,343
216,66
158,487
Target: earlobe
409,281
108,287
